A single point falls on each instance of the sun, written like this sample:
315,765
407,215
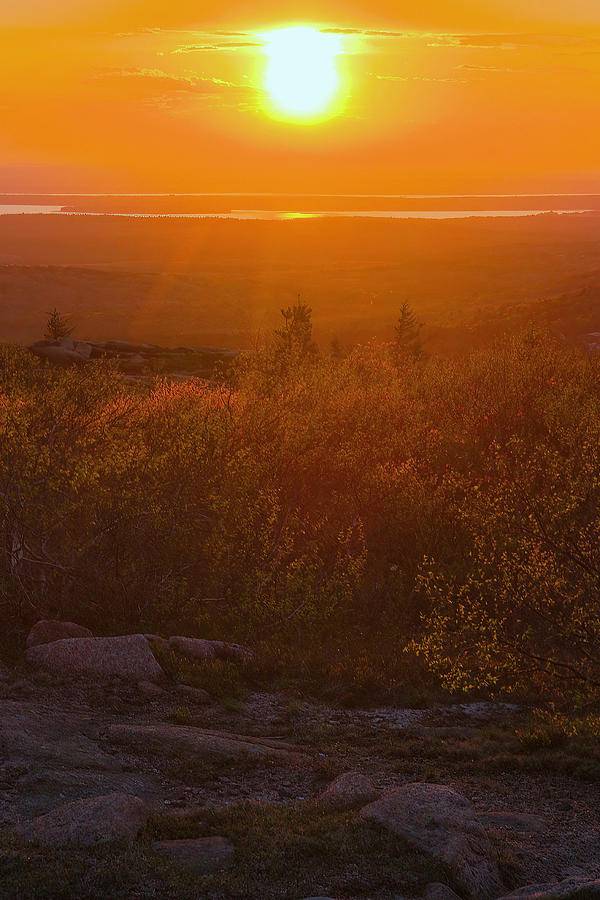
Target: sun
301,76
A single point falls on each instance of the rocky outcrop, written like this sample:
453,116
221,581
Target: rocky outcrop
350,791
438,891
150,690
48,630
61,647
198,854
194,694
156,640
128,656
569,889
190,743
49,738
57,355
522,824
438,821
234,652
90,821
84,348
197,648
134,358
192,648
134,364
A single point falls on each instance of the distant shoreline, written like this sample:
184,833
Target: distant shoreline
281,207
283,194
294,215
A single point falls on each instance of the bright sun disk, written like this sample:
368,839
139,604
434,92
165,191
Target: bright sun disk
301,77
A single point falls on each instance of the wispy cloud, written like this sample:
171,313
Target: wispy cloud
159,78
425,78
175,92
215,47
470,68
199,41
509,41
367,32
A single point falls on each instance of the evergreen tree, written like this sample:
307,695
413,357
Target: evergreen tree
407,341
57,326
295,335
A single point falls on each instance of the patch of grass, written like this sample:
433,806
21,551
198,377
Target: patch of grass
566,744
432,752
305,849
281,851
341,676
537,742
181,716
220,677
109,870
205,770
232,704
312,670
549,728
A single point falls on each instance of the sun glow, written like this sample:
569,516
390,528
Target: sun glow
301,77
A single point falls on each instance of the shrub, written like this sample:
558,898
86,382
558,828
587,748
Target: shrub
344,512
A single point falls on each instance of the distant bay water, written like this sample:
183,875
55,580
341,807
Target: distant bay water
285,207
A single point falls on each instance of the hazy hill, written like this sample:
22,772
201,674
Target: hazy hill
204,281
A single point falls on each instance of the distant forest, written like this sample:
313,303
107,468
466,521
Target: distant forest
186,281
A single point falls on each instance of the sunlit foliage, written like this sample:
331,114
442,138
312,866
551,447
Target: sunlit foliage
345,513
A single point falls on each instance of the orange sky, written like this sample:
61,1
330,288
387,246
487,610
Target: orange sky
167,95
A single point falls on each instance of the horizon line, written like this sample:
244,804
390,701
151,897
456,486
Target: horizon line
294,194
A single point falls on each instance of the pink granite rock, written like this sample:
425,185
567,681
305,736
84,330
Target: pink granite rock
443,824
197,648
186,742
158,641
194,694
150,690
60,356
90,821
193,648
128,656
523,824
438,891
574,888
234,652
47,630
350,790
